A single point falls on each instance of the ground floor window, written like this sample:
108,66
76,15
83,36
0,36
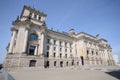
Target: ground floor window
32,50
32,63
82,60
54,63
66,63
72,62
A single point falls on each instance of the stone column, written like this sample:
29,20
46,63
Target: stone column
74,51
25,40
63,49
42,42
12,41
57,49
51,48
36,50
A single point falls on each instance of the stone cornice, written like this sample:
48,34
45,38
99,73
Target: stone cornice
27,22
86,34
60,34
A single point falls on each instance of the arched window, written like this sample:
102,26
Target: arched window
33,37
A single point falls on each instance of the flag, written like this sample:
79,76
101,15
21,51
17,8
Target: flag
97,35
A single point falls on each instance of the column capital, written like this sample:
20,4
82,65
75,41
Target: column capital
13,29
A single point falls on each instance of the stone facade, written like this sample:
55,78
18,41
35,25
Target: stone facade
34,45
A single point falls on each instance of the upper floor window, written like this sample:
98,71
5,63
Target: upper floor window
96,53
87,52
47,54
60,49
92,53
70,45
39,18
33,37
54,42
54,48
65,44
65,50
48,47
65,55
60,43
35,16
60,55
48,40
30,15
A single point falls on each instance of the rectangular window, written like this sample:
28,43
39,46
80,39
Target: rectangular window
60,43
48,41
92,53
65,44
87,52
47,55
39,18
54,48
30,15
54,42
60,49
65,55
48,47
60,55
96,53
32,50
35,16
54,55
65,50
33,37
32,63
70,50
54,63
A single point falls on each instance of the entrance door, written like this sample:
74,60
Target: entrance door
61,63
72,62
82,60
46,65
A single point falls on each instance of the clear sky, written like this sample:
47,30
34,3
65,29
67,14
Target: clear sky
90,16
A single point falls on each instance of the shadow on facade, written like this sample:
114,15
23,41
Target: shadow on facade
115,74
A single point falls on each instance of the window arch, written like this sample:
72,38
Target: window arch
33,36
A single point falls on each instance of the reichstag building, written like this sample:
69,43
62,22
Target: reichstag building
34,45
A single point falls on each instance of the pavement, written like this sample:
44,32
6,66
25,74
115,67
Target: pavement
93,73
1,76
71,73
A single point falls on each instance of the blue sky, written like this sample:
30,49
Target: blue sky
90,16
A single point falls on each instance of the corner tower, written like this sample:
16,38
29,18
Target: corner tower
26,47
